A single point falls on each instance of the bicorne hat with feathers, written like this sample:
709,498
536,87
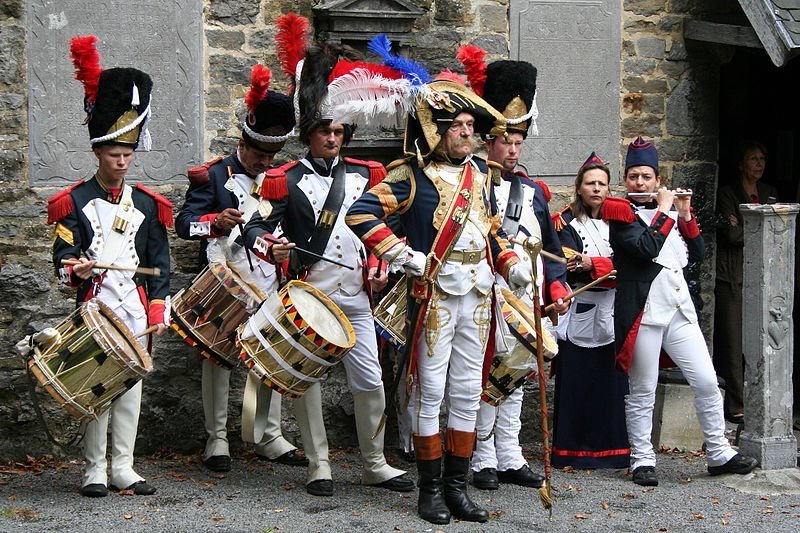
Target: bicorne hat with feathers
116,100
270,116
508,86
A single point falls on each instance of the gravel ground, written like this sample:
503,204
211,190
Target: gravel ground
262,497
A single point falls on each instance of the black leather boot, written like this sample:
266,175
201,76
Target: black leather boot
431,505
456,470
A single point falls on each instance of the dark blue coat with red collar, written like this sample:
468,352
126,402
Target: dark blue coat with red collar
206,198
635,245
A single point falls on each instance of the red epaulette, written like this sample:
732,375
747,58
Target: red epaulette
199,175
376,170
547,194
617,209
275,185
558,219
163,205
60,205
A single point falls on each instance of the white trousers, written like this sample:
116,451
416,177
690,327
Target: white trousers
124,415
684,343
453,352
361,364
500,450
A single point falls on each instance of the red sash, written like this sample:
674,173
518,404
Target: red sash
422,287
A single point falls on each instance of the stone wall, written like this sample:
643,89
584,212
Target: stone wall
668,94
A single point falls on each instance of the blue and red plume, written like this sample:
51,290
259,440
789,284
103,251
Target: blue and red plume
412,71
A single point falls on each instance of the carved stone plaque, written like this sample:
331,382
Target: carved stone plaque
161,37
575,45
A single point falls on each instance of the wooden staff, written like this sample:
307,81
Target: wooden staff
148,331
139,270
573,294
545,253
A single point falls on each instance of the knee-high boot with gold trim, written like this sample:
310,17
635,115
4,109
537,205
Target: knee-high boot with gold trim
459,445
431,505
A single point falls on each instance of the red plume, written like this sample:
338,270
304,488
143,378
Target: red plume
448,74
291,41
343,66
474,65
87,64
259,85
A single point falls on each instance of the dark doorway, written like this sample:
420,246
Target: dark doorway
760,101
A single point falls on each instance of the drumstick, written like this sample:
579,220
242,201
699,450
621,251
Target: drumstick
139,270
148,331
573,294
545,253
273,240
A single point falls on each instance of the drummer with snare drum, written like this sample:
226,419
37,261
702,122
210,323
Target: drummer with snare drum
222,195
308,199
104,220
522,204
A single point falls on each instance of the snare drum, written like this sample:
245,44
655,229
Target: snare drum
509,371
92,360
390,315
207,313
297,335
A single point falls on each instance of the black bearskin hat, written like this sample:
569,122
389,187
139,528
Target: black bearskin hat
270,115
123,94
510,88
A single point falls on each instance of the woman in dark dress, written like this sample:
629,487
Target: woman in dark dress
589,410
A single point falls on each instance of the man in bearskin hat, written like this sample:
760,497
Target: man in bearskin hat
510,86
445,201
104,220
654,236
307,199
218,203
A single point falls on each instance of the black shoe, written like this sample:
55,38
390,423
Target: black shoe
320,487
408,457
645,476
290,458
486,479
218,463
738,464
400,483
140,488
521,476
735,419
94,490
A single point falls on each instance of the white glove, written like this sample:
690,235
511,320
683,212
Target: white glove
414,264
519,276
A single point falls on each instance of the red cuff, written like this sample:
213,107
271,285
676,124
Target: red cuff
210,218
155,313
662,223
265,254
557,290
689,228
602,266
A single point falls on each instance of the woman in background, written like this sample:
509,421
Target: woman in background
589,410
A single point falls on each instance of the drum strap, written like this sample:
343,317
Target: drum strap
513,207
298,261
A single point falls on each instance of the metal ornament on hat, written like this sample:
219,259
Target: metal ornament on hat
145,140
